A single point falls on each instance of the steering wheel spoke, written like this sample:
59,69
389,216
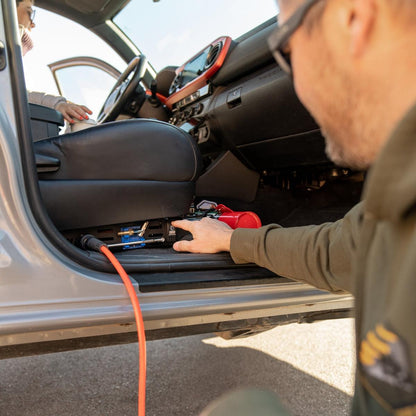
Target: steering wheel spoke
123,89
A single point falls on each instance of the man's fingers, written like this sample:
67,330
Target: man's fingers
209,236
184,224
183,245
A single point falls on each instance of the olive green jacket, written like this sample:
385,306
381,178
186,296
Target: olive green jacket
371,253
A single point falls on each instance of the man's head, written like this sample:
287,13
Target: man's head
25,13
353,67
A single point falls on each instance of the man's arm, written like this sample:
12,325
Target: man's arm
320,255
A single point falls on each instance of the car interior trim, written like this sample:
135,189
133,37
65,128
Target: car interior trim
224,43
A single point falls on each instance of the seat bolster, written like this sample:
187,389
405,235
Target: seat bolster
139,149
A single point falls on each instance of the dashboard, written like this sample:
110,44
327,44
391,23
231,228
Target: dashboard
197,72
232,96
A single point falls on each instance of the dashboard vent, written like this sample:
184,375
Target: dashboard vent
176,84
213,55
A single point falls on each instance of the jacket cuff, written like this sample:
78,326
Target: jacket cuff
242,245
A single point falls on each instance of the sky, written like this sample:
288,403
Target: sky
168,32
175,30
57,38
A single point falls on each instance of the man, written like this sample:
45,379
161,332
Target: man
353,64
25,17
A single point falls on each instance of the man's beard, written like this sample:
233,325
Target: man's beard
348,151
348,131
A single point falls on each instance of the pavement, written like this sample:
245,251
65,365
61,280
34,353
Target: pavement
309,366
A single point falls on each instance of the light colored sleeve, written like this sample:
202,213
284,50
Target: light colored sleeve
321,255
47,100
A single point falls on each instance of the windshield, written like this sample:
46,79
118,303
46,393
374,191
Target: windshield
169,32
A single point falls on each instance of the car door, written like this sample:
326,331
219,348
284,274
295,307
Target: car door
84,79
55,296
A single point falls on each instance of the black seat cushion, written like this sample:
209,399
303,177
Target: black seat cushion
118,172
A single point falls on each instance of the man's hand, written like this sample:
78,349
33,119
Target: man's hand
209,236
71,110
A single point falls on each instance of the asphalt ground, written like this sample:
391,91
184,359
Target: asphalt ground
309,366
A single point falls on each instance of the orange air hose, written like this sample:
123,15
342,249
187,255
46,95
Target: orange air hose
140,327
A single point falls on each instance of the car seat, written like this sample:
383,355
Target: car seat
117,172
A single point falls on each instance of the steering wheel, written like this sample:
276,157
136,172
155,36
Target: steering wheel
123,89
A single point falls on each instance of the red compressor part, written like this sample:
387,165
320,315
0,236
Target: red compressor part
238,219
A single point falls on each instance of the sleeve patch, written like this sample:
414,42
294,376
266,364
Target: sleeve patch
385,363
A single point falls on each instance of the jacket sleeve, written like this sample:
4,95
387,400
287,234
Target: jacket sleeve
47,100
320,255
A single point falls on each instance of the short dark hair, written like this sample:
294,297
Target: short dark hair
404,9
314,16
20,1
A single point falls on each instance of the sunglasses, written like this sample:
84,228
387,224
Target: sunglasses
280,37
31,14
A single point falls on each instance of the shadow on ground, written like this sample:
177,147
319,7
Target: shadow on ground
184,375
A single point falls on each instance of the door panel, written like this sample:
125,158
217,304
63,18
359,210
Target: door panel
84,80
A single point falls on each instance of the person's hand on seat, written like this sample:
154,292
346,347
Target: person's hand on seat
71,111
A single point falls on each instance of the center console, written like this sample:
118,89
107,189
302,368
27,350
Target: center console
196,72
45,121
190,90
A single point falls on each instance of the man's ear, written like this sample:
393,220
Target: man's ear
361,23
